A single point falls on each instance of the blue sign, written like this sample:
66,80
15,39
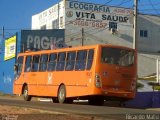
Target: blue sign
41,39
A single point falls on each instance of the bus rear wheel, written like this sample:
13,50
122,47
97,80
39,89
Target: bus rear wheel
62,94
25,94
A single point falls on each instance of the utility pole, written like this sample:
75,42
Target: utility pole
2,38
58,16
158,71
82,40
135,24
2,32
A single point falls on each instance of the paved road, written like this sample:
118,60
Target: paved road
114,113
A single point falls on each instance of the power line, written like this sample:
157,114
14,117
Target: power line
124,2
148,4
153,7
149,7
75,34
75,19
110,13
108,2
156,9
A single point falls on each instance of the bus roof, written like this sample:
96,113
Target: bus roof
73,48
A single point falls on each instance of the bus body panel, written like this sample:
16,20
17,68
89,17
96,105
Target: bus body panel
117,80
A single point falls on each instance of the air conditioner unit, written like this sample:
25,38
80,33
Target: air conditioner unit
114,31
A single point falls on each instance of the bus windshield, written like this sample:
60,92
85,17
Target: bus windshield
117,56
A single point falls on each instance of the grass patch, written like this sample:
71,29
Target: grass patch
139,86
156,87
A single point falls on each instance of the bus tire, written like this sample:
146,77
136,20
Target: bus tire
25,94
62,94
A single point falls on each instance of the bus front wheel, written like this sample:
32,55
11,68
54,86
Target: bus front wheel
62,94
25,94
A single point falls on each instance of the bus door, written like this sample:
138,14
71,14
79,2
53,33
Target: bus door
37,76
27,78
117,69
31,66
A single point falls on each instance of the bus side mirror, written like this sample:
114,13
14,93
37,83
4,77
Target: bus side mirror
16,69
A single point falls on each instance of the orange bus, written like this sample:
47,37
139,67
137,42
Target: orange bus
95,73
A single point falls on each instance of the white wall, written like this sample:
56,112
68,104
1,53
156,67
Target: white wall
94,19
152,25
46,17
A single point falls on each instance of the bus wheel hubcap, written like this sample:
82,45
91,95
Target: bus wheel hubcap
61,94
25,93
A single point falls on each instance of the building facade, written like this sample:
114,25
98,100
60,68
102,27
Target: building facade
95,23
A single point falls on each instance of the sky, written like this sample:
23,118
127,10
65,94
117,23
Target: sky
16,14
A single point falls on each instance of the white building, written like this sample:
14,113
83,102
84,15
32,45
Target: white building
100,23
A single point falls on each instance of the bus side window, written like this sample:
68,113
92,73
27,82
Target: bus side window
70,60
61,61
52,62
28,64
43,63
81,60
19,65
90,59
35,63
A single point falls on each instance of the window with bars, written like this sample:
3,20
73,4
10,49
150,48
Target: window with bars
143,33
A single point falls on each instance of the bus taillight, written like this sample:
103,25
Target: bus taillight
133,85
97,81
